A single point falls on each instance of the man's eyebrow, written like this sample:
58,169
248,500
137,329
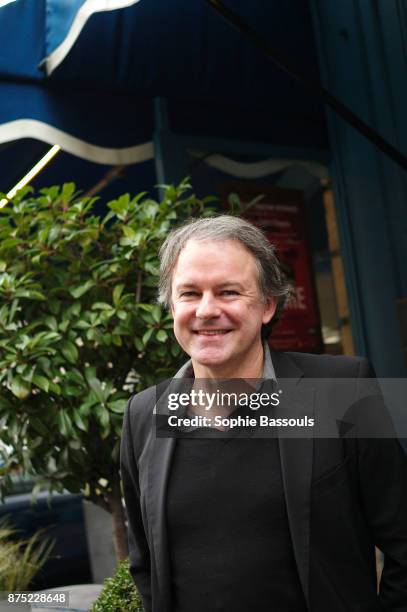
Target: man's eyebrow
184,286
229,284
219,286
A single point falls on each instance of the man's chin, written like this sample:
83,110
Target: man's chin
210,358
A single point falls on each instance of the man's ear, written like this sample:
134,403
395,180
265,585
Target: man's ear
269,310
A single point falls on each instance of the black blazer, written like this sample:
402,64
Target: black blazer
343,497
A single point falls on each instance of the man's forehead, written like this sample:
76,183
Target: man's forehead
220,262
214,253
224,250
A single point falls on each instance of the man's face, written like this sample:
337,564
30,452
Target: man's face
217,307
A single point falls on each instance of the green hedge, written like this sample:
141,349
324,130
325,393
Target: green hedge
119,593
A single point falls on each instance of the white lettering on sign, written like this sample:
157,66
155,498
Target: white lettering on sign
298,301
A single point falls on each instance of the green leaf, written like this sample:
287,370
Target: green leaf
55,306
117,341
64,422
47,336
69,351
101,306
161,335
75,376
41,382
147,335
54,233
73,310
75,444
146,307
72,390
147,317
117,406
150,209
54,388
91,334
87,406
107,339
138,344
79,421
103,416
128,231
9,243
117,292
234,203
156,313
68,189
44,364
96,386
90,372
175,350
63,326
120,205
77,292
82,324
152,269
51,322
33,295
19,388
105,432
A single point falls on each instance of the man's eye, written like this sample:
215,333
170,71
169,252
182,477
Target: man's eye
188,293
229,292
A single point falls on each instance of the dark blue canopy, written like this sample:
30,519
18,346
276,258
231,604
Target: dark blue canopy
84,73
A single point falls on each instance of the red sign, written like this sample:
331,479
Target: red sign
280,214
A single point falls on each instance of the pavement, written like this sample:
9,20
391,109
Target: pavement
81,597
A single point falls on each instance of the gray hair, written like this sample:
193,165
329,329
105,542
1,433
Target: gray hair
272,280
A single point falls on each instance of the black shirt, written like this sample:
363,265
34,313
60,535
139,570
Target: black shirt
229,540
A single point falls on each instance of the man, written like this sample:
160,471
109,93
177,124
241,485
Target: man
253,523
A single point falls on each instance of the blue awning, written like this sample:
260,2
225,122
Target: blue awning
66,21
84,73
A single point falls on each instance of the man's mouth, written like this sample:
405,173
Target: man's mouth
211,332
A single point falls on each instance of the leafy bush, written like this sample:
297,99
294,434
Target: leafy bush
119,593
80,332
21,560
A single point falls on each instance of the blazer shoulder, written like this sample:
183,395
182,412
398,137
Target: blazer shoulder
139,411
143,401
332,366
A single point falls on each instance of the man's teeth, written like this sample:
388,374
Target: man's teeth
212,332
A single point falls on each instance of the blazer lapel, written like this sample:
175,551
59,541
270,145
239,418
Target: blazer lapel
160,459
296,455
162,450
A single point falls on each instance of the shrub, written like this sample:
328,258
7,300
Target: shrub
119,593
80,332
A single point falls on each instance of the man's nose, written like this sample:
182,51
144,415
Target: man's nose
207,307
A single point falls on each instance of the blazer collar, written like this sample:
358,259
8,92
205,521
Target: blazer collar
285,366
296,456
187,371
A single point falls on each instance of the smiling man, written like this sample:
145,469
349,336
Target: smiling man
231,524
